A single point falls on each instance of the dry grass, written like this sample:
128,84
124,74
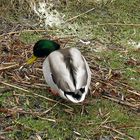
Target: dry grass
25,91
105,81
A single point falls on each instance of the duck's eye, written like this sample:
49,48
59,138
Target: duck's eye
82,90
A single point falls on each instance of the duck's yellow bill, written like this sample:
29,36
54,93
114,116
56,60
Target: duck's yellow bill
31,60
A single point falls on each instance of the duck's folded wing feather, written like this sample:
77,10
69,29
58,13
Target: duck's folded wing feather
69,71
79,64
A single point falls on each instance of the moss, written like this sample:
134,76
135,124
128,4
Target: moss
29,37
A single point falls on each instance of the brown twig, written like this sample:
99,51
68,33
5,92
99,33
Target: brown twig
20,111
119,24
48,110
17,110
70,19
25,126
13,86
4,90
50,120
117,131
122,102
51,100
134,92
37,95
16,32
9,67
30,85
104,122
3,138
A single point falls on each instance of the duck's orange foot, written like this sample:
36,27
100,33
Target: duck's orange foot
55,93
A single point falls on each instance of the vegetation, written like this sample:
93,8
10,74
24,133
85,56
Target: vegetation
109,38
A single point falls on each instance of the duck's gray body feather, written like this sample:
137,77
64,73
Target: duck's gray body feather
67,72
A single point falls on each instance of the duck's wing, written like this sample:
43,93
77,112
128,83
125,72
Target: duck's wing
68,69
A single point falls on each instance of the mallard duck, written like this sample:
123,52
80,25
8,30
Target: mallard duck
65,70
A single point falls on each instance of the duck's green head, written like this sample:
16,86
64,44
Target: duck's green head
43,48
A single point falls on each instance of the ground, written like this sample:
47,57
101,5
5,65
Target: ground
108,37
